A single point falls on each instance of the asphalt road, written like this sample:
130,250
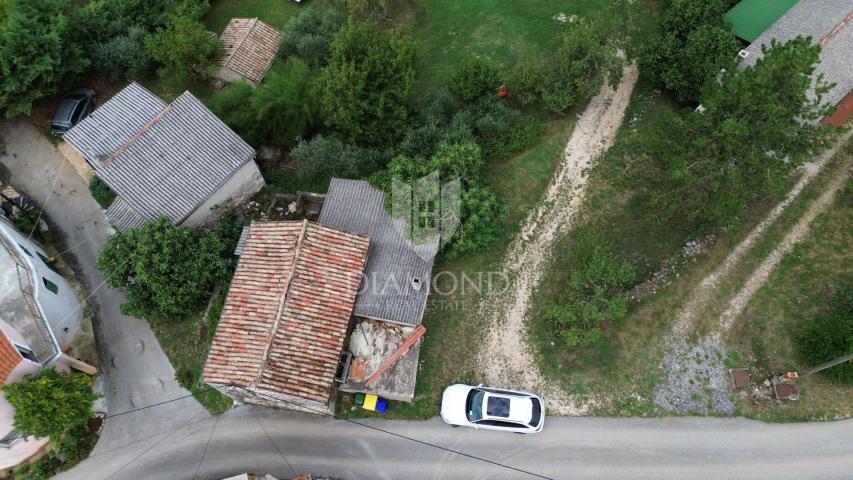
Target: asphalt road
179,440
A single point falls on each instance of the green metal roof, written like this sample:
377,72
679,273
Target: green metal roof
750,18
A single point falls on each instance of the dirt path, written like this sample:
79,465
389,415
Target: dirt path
696,380
794,236
703,292
505,357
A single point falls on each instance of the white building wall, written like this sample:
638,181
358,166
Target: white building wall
60,309
245,182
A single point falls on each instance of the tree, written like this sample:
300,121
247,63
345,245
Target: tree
36,53
165,270
758,124
690,45
367,86
184,48
474,78
51,404
278,112
574,72
309,34
830,335
482,220
123,57
286,104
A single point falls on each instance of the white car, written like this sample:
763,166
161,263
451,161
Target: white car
492,409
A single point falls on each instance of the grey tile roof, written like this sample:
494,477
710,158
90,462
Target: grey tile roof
392,262
823,21
159,159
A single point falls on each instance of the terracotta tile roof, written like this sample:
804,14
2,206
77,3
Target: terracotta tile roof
250,47
9,358
288,309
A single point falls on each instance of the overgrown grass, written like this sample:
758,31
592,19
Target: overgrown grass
766,335
186,342
274,12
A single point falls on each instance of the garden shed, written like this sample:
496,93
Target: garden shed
250,46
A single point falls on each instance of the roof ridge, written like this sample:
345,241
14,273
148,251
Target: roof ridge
837,29
240,43
284,297
137,135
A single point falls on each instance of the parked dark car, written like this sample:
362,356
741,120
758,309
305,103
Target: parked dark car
73,107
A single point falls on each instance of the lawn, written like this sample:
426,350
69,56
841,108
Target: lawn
274,12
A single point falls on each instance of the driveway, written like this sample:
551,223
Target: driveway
179,440
136,373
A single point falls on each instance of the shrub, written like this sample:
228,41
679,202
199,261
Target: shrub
690,46
101,192
278,112
123,57
37,54
165,270
309,34
574,72
233,105
482,220
51,404
327,157
474,78
367,85
830,335
286,104
500,130
184,48
595,296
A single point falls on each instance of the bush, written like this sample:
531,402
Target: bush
166,271
595,296
101,192
184,48
482,220
278,112
573,73
51,404
309,34
327,157
830,335
500,130
286,104
124,57
474,78
37,55
690,46
367,86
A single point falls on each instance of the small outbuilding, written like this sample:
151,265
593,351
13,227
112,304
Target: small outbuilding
286,317
250,46
164,159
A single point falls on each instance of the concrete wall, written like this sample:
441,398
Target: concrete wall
245,182
273,399
228,75
77,160
59,309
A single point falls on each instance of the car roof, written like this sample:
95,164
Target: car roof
514,408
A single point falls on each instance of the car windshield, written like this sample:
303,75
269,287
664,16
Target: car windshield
537,414
474,405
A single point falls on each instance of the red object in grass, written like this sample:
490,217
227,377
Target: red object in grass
502,91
